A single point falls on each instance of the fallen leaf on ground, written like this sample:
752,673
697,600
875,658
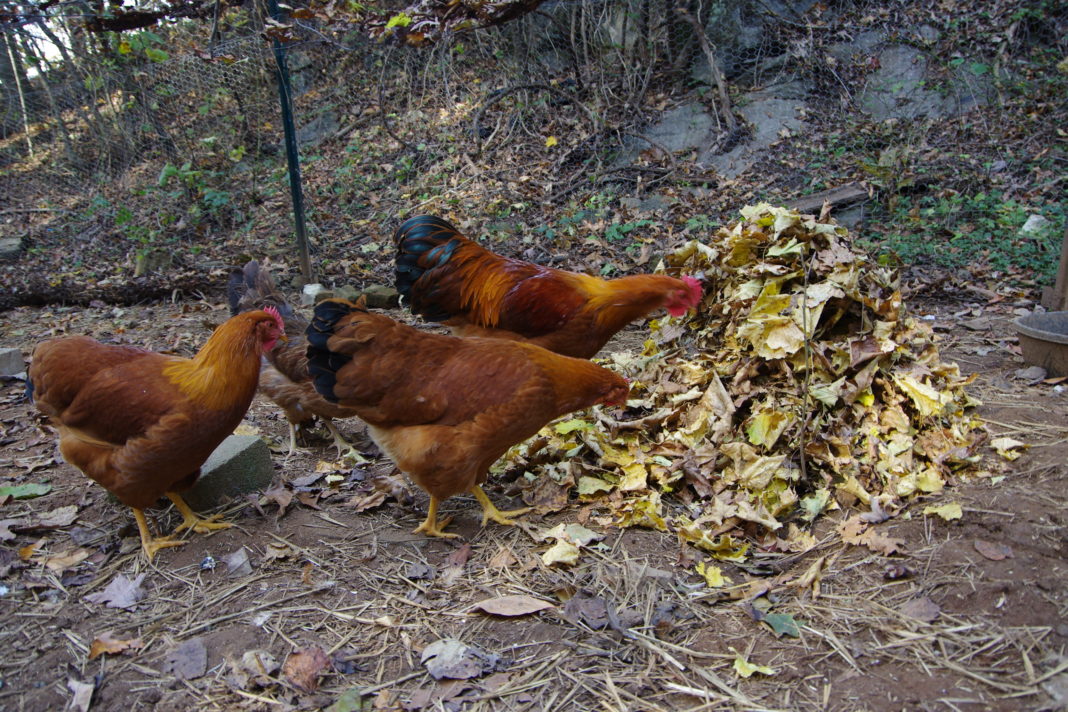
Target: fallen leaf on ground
64,561
1008,448
253,670
26,491
83,695
783,624
922,609
122,592
237,563
856,532
588,609
502,559
456,660
746,669
187,661
304,667
518,605
107,643
993,550
562,552
949,511
352,700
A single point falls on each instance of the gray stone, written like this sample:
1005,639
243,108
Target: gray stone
902,88
10,247
239,466
309,294
347,292
379,296
769,116
683,128
11,362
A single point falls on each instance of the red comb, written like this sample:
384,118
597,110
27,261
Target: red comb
274,312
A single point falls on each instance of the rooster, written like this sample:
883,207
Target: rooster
284,375
141,423
448,278
445,408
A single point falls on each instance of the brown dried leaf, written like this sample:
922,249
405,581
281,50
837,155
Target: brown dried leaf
187,661
122,592
64,561
107,643
922,609
993,550
304,667
510,606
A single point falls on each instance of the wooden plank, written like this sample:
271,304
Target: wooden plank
1055,298
838,197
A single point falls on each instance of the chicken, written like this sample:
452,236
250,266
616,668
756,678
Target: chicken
284,375
141,423
448,278
445,408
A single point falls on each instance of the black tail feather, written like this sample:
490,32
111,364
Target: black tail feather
423,243
323,363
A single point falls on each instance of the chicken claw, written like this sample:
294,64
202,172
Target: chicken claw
344,445
149,543
431,526
489,511
190,520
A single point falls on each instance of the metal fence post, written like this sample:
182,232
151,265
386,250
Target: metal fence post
292,157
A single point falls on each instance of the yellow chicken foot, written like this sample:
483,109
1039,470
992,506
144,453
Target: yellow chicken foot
149,543
190,520
491,512
431,526
341,444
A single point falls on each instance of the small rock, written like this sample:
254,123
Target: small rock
240,465
380,296
347,292
309,294
1035,225
11,362
10,247
1031,374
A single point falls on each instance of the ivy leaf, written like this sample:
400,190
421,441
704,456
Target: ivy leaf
783,624
26,491
398,20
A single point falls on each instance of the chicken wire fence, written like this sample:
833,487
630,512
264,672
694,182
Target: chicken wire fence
733,101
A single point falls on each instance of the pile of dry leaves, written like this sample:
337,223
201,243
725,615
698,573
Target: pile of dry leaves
800,385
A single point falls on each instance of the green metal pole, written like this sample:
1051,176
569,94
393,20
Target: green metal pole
292,157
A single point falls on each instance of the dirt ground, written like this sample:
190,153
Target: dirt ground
973,615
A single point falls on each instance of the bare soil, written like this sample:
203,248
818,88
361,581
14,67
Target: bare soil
941,626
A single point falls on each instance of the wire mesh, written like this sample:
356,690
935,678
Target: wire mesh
948,116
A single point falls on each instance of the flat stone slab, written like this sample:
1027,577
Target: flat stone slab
240,465
11,362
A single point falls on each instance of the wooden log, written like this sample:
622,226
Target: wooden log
837,197
1055,298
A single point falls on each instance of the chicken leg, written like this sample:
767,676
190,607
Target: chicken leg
342,444
489,511
190,520
149,543
431,526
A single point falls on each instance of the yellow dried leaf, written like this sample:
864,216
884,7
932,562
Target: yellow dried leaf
712,574
928,401
746,669
949,511
1008,448
562,552
550,142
